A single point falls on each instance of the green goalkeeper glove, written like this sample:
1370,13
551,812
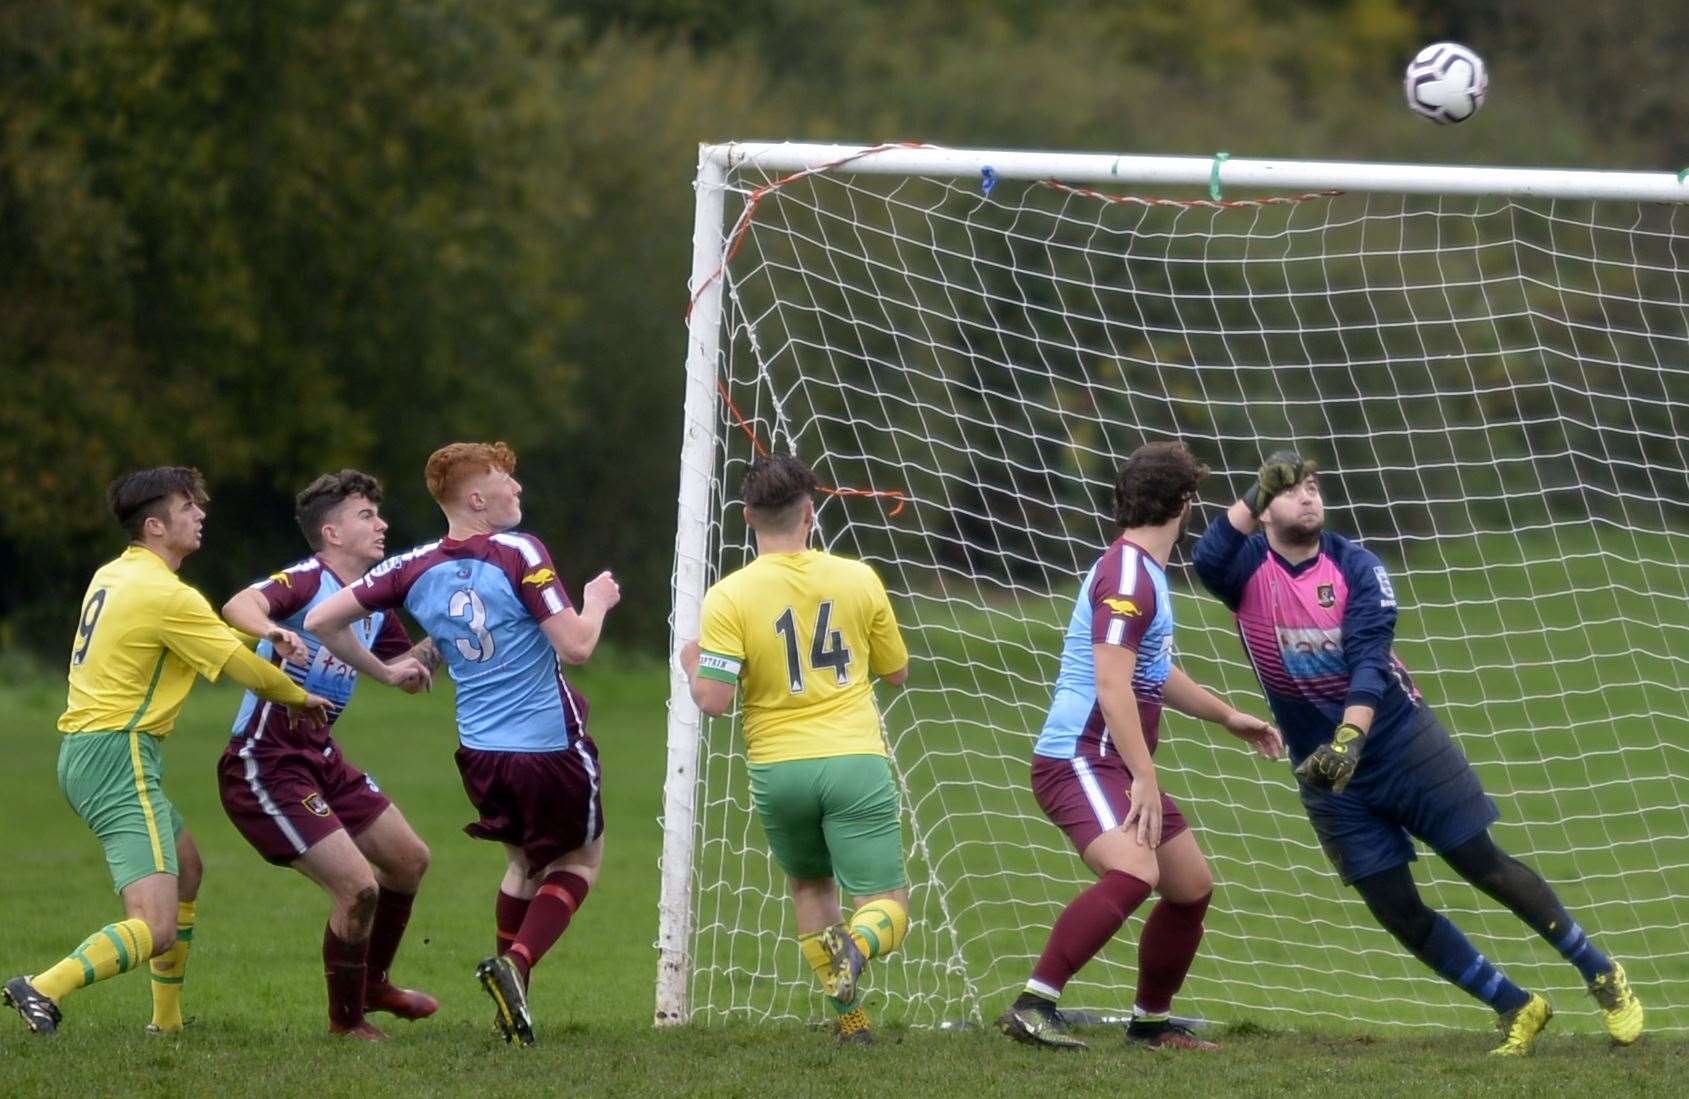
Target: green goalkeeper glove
1282,471
1333,764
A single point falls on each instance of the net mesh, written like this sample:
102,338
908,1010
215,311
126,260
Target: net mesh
1497,393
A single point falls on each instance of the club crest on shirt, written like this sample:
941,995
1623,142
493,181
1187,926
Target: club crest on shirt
1327,595
463,573
316,804
539,578
1122,605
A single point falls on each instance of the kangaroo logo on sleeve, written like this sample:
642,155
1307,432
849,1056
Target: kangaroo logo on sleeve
1121,605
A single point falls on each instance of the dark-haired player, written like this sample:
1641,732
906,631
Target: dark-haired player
1093,775
289,789
141,639
1317,615
798,632
489,598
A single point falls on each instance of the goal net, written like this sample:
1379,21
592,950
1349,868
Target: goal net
1492,369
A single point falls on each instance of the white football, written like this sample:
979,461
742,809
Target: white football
1445,82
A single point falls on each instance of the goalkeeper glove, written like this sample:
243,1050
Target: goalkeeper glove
1282,471
1333,763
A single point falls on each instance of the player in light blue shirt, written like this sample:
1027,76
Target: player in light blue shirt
491,601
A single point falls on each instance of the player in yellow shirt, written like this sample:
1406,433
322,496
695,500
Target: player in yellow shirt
142,637
798,632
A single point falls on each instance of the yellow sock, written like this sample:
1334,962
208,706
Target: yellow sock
879,926
853,1021
168,970
816,955
113,949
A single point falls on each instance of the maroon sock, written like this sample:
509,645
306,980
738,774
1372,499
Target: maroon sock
1089,921
1166,950
344,966
392,913
509,913
553,906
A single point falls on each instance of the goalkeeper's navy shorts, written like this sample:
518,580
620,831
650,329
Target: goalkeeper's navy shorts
1417,784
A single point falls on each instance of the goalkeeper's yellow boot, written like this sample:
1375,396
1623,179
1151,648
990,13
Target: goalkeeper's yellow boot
1620,1009
1520,1027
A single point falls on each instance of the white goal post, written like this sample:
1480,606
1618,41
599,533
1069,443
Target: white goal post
1490,364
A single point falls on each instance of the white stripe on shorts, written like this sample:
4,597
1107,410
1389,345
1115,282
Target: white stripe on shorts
592,790
285,826
1094,795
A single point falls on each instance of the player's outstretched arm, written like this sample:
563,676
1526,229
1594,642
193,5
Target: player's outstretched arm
331,621
1189,697
269,682
248,611
713,696
574,634
1119,704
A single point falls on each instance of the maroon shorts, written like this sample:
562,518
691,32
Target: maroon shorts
1087,797
546,803
284,798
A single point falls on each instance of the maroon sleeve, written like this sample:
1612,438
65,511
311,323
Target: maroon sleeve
289,591
393,640
385,586
528,564
1122,598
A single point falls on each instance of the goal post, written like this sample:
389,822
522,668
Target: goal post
1492,366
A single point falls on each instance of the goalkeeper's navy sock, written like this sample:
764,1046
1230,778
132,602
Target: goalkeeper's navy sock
1166,948
1575,947
1459,963
1089,921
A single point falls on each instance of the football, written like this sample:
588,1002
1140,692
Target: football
1445,82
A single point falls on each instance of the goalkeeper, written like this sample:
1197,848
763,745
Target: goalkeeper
1317,616
799,632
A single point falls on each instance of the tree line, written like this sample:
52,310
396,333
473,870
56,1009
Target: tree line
275,239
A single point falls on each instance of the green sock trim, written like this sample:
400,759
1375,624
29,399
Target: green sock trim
88,975
185,934
166,980
110,933
873,940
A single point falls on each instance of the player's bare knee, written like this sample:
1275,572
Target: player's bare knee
1191,889
163,934
406,868
359,906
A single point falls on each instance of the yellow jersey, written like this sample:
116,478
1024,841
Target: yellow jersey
142,637
799,633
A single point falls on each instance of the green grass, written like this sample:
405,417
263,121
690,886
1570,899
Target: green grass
1280,941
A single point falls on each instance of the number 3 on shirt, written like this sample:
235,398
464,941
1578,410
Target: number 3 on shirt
466,604
828,650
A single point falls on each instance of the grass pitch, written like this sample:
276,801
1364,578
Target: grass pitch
255,984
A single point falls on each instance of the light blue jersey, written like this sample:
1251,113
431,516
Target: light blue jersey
482,600
1123,601
290,594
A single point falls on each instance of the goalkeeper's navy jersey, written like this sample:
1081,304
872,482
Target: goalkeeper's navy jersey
1318,633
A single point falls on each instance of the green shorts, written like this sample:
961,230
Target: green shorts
112,781
834,817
